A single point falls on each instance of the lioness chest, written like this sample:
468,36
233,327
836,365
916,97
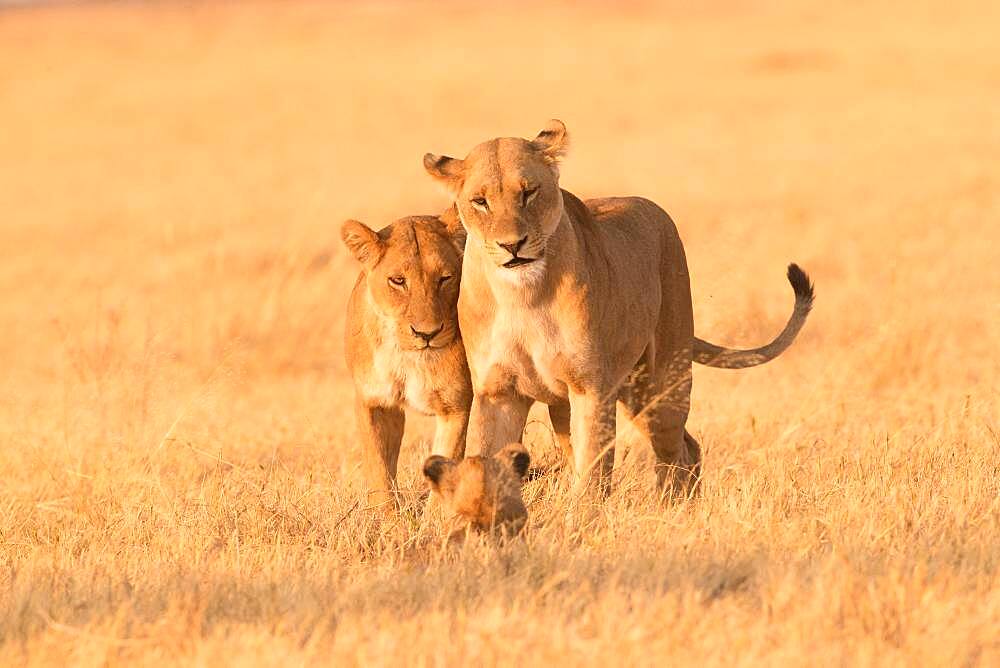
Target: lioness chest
524,350
395,378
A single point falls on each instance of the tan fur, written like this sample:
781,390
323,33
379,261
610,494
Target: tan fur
483,492
393,367
574,304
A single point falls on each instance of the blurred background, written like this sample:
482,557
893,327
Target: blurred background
175,410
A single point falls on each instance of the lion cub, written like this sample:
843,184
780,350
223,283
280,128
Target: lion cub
483,491
402,341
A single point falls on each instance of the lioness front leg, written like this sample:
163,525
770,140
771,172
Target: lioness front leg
495,421
559,415
381,431
592,434
449,435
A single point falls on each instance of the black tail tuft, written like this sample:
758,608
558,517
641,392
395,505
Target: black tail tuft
802,286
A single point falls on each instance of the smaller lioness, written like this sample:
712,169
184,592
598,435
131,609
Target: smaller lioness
484,492
402,341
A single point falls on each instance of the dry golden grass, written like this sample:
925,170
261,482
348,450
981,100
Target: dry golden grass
179,478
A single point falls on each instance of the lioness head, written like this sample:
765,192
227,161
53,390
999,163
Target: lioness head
412,268
483,491
507,194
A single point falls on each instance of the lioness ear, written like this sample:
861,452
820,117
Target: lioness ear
446,171
552,142
434,469
363,242
453,226
516,457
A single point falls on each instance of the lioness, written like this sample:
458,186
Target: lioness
402,341
483,491
577,305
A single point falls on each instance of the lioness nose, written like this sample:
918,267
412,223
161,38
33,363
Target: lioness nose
426,336
514,247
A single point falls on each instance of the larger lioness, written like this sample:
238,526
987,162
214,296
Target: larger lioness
402,341
578,305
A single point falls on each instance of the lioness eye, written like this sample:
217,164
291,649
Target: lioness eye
480,202
443,280
398,281
528,194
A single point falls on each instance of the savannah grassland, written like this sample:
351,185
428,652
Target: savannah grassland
179,477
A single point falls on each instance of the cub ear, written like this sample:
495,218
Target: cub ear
454,228
435,467
552,142
449,172
363,242
516,457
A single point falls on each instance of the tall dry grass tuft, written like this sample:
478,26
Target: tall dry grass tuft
180,480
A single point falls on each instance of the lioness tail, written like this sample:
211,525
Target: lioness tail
710,354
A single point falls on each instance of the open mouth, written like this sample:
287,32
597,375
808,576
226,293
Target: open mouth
437,344
518,262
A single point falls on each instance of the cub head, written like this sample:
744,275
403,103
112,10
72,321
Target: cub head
483,491
507,194
412,269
